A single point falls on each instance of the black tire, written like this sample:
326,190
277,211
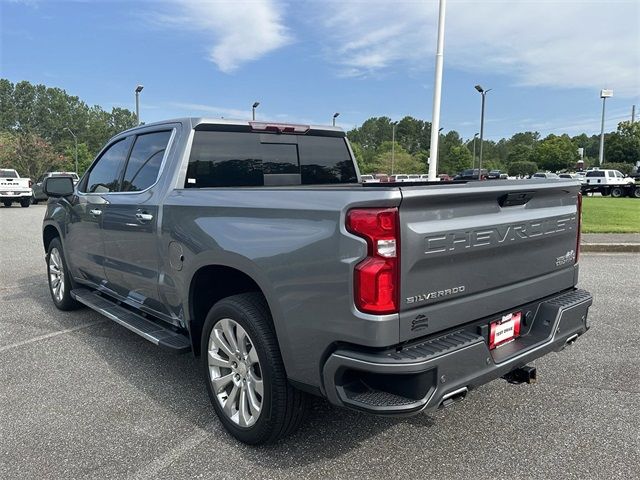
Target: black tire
617,192
64,302
606,192
6,204
636,191
25,202
283,406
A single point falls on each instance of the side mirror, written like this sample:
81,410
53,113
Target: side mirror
58,187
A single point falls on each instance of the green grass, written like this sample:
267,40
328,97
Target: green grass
610,215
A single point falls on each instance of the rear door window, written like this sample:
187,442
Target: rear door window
145,160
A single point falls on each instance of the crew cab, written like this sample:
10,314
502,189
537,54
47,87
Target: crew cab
14,189
256,247
610,182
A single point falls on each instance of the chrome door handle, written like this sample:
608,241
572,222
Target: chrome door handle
96,212
144,217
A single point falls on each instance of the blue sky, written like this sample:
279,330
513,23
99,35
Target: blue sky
304,60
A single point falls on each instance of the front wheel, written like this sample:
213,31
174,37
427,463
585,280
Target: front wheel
636,191
244,372
25,202
59,278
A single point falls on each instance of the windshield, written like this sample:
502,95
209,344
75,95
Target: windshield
65,174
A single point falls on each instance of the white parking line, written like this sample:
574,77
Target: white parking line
152,469
50,335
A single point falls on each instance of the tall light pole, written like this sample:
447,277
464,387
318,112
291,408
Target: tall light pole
335,115
473,164
138,90
393,145
75,139
482,92
437,93
604,94
253,109
439,133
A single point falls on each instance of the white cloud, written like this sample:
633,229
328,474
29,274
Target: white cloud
239,31
564,43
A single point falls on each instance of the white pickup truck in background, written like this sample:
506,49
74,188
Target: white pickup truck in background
14,189
610,182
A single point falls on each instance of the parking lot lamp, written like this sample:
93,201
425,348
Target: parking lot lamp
335,115
393,146
138,90
253,110
482,92
604,94
75,140
473,163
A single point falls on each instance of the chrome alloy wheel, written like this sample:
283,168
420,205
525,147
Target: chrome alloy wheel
56,274
235,373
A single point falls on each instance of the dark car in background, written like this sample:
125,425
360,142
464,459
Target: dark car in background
471,174
496,175
38,193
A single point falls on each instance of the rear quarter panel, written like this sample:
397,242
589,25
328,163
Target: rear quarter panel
293,243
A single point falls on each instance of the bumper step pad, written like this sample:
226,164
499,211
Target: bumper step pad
156,333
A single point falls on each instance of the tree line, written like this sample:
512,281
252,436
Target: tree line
523,153
36,122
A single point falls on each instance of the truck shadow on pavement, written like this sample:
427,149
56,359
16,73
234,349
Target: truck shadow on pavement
174,384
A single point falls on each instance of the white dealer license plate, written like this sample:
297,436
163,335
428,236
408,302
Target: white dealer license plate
504,330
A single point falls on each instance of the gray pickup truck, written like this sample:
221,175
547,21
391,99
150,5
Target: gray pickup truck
256,247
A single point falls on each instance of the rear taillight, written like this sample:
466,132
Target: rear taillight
30,183
377,277
579,225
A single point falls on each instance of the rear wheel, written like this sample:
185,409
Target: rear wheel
244,372
25,202
59,278
6,203
617,192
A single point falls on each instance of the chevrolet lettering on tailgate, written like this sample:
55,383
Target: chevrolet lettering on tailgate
497,235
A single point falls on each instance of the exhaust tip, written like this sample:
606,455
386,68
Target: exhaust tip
571,340
453,397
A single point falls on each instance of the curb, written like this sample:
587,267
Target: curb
610,247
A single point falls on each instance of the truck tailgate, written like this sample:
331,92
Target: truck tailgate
477,249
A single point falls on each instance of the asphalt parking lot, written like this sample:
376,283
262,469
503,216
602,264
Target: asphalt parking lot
83,397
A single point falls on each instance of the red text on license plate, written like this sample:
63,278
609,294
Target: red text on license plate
504,330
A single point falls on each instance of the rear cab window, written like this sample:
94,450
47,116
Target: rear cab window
8,174
595,173
244,158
